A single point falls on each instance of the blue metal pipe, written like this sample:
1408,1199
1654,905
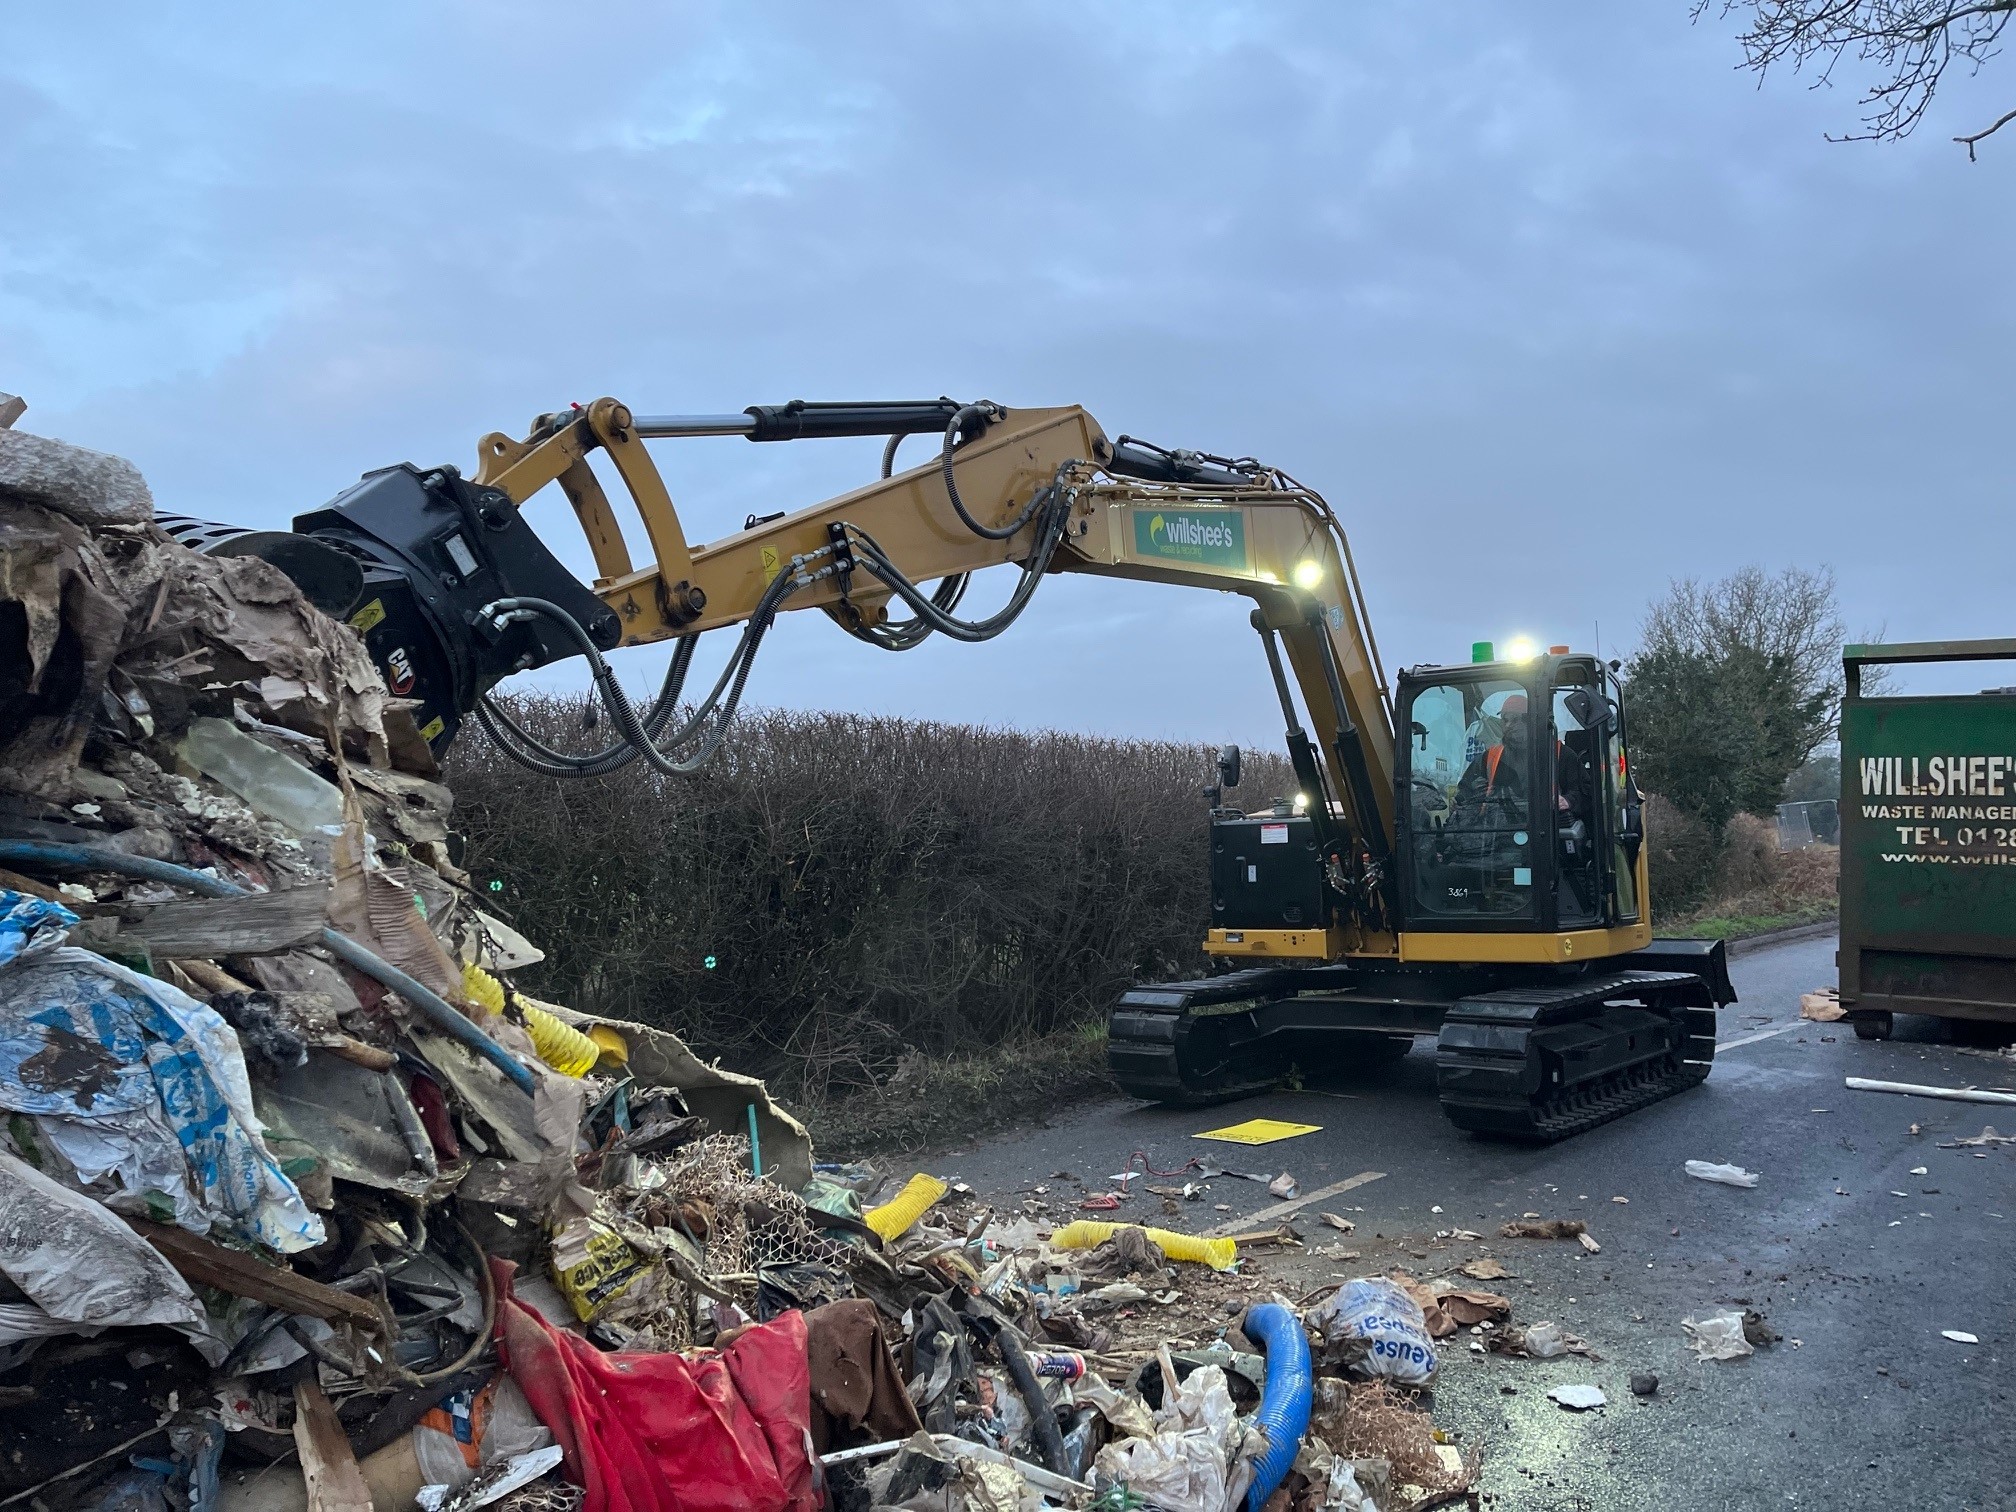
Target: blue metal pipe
438,1011
1284,1405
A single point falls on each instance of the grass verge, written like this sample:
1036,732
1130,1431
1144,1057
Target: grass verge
1744,926
933,1102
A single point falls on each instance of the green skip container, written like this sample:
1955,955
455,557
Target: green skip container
1928,844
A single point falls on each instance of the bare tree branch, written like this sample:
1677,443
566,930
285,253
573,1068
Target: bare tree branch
1969,141
1910,44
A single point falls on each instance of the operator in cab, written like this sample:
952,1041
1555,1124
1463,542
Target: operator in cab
1492,793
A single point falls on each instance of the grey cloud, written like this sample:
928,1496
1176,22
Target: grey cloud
1553,307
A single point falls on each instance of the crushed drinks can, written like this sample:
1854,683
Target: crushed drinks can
1063,1364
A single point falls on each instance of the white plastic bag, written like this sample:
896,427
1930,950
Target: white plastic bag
1182,1472
1719,1336
1342,1493
1192,1464
1546,1340
1391,1323
83,1270
1728,1175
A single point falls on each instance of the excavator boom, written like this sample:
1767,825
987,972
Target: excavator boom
1126,510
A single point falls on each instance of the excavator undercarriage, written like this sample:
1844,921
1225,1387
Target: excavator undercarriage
1530,1053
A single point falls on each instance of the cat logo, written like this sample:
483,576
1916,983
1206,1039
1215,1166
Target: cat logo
399,672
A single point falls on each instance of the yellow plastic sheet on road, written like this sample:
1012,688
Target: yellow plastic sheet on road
1258,1131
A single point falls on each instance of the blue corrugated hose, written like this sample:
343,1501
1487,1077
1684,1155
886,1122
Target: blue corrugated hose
1284,1405
437,1009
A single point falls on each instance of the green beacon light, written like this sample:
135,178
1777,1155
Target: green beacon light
708,962
1480,651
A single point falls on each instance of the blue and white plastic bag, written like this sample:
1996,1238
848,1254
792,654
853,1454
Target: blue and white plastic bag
143,1091
1391,1324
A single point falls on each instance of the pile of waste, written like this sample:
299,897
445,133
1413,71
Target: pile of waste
304,1204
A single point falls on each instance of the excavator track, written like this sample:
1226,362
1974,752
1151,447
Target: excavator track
1537,1062
1548,1062
1194,1043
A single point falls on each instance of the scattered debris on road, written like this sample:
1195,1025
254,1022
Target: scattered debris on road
1577,1397
1719,1336
1987,1138
1912,1089
1727,1175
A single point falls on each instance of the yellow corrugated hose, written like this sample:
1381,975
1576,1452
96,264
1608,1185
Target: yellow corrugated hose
1219,1254
562,1046
894,1218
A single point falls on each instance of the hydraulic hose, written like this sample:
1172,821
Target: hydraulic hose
968,413
502,728
1053,500
637,735
1283,1415
436,1009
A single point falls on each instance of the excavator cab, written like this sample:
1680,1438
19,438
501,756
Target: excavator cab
1516,809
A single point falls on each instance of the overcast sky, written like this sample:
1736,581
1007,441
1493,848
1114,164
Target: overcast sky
1551,300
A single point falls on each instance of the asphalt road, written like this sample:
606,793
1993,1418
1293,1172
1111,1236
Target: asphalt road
1863,1404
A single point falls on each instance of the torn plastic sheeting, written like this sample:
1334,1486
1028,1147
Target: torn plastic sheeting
659,1058
1719,1336
1192,1463
360,1123
22,918
79,1265
130,1076
727,1430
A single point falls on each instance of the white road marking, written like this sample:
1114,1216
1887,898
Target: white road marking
1750,1039
1280,1209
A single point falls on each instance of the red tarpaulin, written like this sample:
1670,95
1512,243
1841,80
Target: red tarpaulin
727,1431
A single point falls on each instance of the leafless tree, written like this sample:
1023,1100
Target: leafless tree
1788,621
1910,44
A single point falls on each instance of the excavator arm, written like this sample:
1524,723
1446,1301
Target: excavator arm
1521,941
1039,489
454,590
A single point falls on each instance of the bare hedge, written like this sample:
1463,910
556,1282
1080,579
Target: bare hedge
865,888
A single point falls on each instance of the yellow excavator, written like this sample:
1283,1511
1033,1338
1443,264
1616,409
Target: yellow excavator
1464,855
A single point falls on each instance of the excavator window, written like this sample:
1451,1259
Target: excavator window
1618,797
1578,873
1470,800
